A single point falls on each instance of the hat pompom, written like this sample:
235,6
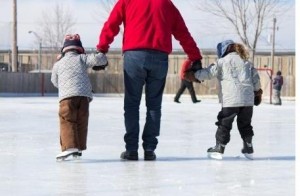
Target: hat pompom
72,42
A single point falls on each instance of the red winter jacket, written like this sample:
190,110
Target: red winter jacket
148,24
185,66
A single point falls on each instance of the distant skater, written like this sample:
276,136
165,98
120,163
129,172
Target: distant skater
240,90
186,84
277,85
70,76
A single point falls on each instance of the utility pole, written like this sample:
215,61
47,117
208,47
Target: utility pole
273,43
14,62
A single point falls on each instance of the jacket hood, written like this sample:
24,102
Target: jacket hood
222,47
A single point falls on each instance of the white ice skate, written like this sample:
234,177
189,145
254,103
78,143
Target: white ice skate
74,152
215,155
216,152
249,156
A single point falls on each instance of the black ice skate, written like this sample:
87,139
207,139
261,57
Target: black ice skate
248,150
130,155
149,156
216,152
74,152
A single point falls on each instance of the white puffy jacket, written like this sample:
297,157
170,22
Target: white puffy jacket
238,80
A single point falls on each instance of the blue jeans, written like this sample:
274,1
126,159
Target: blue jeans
149,68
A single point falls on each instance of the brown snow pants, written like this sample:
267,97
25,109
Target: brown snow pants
73,116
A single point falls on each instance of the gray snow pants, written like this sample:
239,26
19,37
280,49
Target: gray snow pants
225,119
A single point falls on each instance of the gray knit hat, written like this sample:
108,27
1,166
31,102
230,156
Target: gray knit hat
72,42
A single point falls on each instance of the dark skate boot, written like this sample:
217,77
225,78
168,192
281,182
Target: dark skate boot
216,152
130,155
149,156
248,148
177,101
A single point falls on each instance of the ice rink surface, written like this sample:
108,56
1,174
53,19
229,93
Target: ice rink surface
29,142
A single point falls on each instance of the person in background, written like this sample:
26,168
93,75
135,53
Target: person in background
186,84
277,85
69,75
147,41
240,90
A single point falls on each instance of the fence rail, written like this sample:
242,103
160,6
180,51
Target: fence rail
103,82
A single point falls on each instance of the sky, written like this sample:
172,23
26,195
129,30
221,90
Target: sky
90,18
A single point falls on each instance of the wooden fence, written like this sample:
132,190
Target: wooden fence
111,80
106,82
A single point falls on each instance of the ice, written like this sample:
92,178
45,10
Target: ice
29,143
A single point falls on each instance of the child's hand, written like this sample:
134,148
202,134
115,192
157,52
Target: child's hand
102,62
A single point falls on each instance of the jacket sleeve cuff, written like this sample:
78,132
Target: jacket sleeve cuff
104,51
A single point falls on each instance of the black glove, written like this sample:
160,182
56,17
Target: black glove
196,65
257,97
100,67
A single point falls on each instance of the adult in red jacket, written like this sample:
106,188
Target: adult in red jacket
185,84
147,41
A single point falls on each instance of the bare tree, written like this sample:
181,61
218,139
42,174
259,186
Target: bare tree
247,17
54,25
105,8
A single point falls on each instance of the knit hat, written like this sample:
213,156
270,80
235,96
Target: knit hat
72,42
222,47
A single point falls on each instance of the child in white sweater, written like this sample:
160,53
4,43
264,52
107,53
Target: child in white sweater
70,76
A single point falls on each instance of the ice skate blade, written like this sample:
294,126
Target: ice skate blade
66,157
74,158
215,155
60,159
248,156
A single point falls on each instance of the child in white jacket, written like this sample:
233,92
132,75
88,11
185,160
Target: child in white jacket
70,76
240,89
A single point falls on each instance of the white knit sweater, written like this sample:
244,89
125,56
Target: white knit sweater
70,76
